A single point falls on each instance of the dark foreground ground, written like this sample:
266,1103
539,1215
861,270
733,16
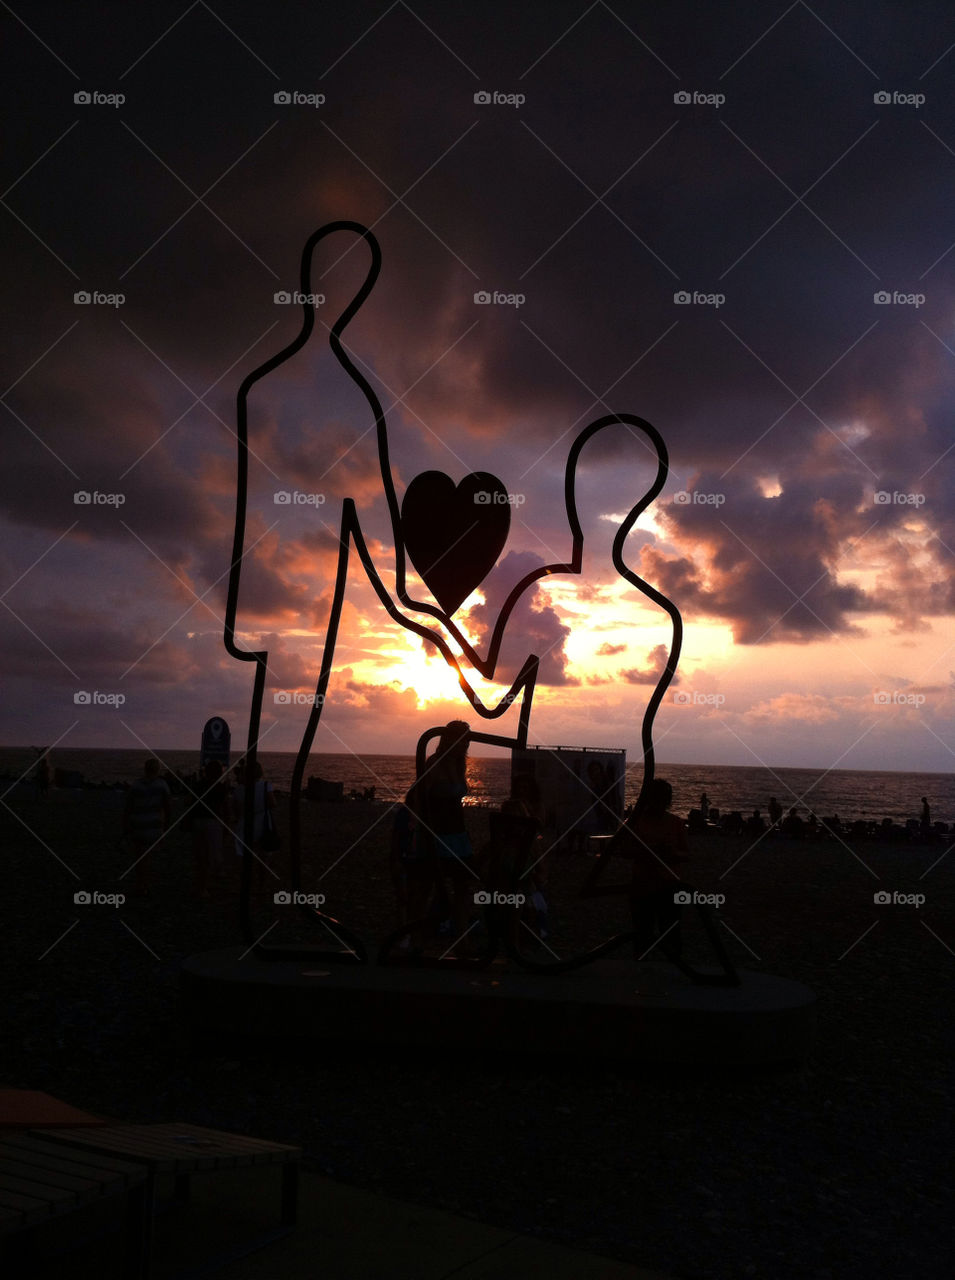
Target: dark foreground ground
839,1168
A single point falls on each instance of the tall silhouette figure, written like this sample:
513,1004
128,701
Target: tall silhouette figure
453,540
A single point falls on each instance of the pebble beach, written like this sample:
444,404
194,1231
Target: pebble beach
839,1167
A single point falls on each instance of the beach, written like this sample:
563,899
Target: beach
839,1167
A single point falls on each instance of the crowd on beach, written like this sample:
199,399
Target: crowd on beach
793,826
433,866
214,818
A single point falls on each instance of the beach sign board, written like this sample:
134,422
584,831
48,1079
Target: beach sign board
216,742
581,788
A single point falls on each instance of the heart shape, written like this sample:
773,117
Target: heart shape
454,533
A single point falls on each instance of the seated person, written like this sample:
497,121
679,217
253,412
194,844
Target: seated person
793,825
755,826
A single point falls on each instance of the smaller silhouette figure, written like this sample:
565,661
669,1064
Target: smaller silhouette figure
775,813
146,817
926,819
705,807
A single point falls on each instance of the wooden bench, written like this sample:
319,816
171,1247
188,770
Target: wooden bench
42,1179
180,1150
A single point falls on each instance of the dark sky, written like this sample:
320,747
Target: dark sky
785,168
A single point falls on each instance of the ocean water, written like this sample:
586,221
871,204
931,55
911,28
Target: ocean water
849,793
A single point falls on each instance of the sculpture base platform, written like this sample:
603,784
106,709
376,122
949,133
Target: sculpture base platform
615,1008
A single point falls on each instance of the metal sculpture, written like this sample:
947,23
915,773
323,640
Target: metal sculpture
453,542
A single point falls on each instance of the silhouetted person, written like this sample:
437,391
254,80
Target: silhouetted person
525,802
146,817
705,807
793,825
443,787
775,812
263,803
660,850
925,821
755,826
832,826
412,866
210,824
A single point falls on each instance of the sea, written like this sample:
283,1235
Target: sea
851,794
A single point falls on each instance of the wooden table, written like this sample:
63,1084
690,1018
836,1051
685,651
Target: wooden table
181,1150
